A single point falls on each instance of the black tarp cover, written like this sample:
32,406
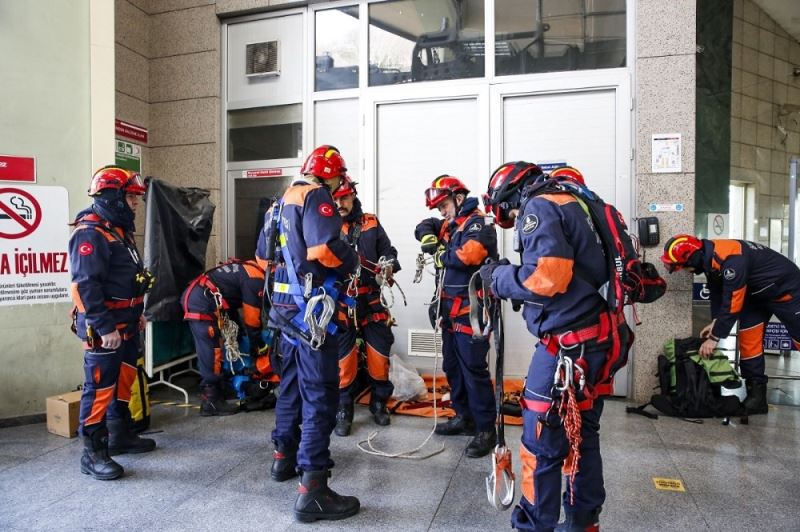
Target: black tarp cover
177,227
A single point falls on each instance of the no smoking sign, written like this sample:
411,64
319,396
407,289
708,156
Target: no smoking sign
20,213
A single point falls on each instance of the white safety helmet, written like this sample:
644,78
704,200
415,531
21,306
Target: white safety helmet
734,388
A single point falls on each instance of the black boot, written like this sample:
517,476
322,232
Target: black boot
284,465
122,439
482,444
344,419
756,401
580,521
213,403
315,500
455,426
379,412
95,460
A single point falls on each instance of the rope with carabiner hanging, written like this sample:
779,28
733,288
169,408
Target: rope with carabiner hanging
229,330
570,413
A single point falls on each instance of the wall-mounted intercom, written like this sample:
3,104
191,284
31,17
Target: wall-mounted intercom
648,231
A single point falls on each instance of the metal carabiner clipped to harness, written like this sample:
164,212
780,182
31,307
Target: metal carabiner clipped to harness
318,325
501,484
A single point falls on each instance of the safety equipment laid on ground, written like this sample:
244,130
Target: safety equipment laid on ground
692,386
408,384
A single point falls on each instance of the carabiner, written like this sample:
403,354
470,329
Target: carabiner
501,484
562,379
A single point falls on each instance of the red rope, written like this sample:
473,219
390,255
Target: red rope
571,416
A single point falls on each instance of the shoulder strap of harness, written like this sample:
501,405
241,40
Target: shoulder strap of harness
94,221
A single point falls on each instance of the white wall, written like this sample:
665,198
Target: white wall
47,113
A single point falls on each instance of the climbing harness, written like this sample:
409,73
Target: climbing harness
500,483
367,445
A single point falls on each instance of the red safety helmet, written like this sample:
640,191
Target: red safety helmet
678,250
443,187
325,162
568,173
505,189
116,178
347,187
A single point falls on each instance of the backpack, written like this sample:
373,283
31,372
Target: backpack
630,280
691,386
139,404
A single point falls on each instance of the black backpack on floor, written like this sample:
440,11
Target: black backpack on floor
691,387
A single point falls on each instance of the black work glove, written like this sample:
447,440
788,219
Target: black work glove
428,244
486,274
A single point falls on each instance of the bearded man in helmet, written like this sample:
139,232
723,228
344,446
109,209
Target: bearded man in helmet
108,286
372,322
460,242
748,283
312,265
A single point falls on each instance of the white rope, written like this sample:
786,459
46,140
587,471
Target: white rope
230,334
411,454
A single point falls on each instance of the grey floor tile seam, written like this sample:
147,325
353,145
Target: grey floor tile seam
27,459
444,493
680,474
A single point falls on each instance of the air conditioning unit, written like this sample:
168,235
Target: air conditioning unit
262,59
424,343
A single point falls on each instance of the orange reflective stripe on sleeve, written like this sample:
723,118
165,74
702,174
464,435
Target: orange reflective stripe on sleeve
76,298
737,300
324,255
528,460
252,315
751,341
348,367
377,364
127,374
102,398
472,253
552,276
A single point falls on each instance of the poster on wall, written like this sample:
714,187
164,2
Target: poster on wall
34,235
666,153
129,156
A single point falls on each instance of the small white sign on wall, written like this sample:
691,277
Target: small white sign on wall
666,153
718,226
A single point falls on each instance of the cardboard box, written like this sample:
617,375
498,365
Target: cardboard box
62,413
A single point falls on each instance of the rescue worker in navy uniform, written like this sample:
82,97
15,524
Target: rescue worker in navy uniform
366,235
108,286
217,293
749,283
313,262
562,266
460,242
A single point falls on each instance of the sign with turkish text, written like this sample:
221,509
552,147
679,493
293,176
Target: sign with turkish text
129,156
130,131
777,338
14,168
34,236
263,172
666,207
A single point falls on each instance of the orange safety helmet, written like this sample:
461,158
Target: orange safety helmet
443,187
505,189
325,162
568,173
116,178
347,187
678,250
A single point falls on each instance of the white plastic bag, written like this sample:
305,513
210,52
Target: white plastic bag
408,384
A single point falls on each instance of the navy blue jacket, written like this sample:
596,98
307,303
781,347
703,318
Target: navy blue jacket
104,262
562,264
468,241
312,227
736,269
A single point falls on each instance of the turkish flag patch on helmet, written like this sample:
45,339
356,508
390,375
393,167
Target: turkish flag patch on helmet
326,209
85,249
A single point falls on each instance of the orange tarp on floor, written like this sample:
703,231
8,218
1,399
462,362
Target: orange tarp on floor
424,406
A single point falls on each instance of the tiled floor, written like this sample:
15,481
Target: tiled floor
211,474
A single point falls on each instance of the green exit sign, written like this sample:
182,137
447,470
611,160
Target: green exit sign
129,156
